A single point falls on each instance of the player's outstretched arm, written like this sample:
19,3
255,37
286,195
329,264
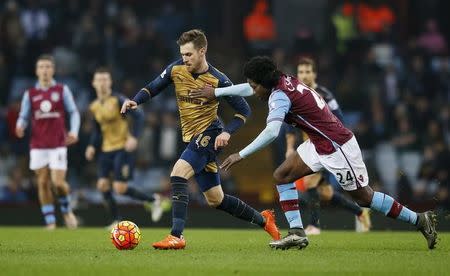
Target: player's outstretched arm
266,137
209,92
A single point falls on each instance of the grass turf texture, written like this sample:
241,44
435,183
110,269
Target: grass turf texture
88,251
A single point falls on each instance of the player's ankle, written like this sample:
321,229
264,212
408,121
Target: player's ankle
297,231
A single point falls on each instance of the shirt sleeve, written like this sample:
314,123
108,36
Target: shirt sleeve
266,137
161,82
71,108
243,111
157,85
279,105
242,89
25,110
96,135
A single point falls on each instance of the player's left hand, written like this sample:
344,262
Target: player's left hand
206,92
71,139
230,161
222,140
131,144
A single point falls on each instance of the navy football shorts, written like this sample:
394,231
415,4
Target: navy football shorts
200,154
118,162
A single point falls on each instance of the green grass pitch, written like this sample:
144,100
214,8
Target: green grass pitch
88,251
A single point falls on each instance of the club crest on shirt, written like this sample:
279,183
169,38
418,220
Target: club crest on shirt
45,106
54,97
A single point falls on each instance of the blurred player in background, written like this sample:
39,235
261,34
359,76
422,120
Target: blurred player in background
317,185
330,146
112,135
203,134
47,103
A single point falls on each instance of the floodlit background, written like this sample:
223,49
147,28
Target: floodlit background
386,61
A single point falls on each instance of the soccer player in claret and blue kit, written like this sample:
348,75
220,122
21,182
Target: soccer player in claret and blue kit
330,146
204,136
47,104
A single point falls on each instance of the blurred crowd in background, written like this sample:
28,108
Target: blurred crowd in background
386,61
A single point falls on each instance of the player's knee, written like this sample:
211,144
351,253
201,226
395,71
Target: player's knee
214,196
325,192
279,176
120,187
364,197
182,169
103,185
214,201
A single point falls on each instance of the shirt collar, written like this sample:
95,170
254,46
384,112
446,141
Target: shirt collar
38,86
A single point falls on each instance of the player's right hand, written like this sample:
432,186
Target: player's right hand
206,92
20,132
230,161
90,152
127,105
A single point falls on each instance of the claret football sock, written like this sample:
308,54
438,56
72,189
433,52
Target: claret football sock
48,210
389,207
136,194
240,209
289,204
180,200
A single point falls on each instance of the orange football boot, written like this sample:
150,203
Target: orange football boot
170,242
271,226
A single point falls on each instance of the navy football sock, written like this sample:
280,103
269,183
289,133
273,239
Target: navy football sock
314,207
64,204
133,193
180,200
240,209
340,200
111,205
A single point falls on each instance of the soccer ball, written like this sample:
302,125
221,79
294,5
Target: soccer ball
125,235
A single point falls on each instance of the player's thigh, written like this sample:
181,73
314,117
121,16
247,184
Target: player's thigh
39,159
347,166
291,169
198,154
58,158
122,168
183,169
208,181
58,177
42,176
105,164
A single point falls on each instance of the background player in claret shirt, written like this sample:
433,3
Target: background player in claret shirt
203,134
330,146
317,185
47,103
112,135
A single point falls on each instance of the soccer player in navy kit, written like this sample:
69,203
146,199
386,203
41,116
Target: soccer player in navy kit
204,135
